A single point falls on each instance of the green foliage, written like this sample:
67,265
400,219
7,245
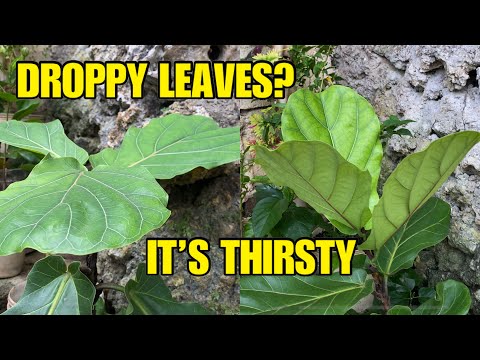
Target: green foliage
266,125
326,160
174,145
302,295
148,295
394,126
64,208
53,288
311,63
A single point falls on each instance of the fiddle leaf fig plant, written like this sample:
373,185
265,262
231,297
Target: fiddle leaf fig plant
64,208
331,160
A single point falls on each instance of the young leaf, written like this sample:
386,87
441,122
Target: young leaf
453,298
414,181
400,310
267,213
53,288
339,117
148,295
45,139
174,145
63,208
320,176
305,295
427,227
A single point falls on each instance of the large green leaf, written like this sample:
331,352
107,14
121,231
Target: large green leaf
266,214
427,227
296,222
148,295
414,181
53,288
305,295
453,298
174,145
63,208
342,118
45,139
320,176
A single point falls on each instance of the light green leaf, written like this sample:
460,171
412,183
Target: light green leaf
266,214
45,139
174,145
453,298
427,227
305,295
400,310
342,118
414,181
148,295
55,289
63,208
321,177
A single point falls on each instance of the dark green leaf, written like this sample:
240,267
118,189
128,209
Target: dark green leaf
25,108
8,97
55,289
425,294
148,295
266,214
248,230
296,222
404,132
263,191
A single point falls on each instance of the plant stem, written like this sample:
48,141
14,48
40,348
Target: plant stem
110,286
5,154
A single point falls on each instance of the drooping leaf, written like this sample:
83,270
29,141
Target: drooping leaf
63,208
296,222
427,227
266,214
453,298
400,310
148,295
342,118
53,288
414,181
45,139
321,177
305,295
25,108
174,145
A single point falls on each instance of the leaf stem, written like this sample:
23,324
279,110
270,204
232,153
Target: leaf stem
110,286
5,154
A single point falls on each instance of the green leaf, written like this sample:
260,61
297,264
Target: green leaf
248,230
63,208
7,97
425,294
55,289
394,122
296,222
45,139
339,117
148,295
403,132
427,227
401,287
266,214
305,295
174,145
414,181
453,298
400,310
25,108
263,191
321,177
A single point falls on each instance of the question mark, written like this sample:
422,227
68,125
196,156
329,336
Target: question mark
284,78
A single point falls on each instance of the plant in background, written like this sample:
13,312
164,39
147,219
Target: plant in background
394,126
14,158
63,208
330,159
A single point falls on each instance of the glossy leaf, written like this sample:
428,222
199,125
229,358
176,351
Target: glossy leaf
174,145
453,298
342,118
414,181
53,288
305,295
321,177
266,214
296,222
48,138
63,208
427,227
148,295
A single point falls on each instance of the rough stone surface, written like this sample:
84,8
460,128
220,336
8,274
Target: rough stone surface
203,203
437,86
